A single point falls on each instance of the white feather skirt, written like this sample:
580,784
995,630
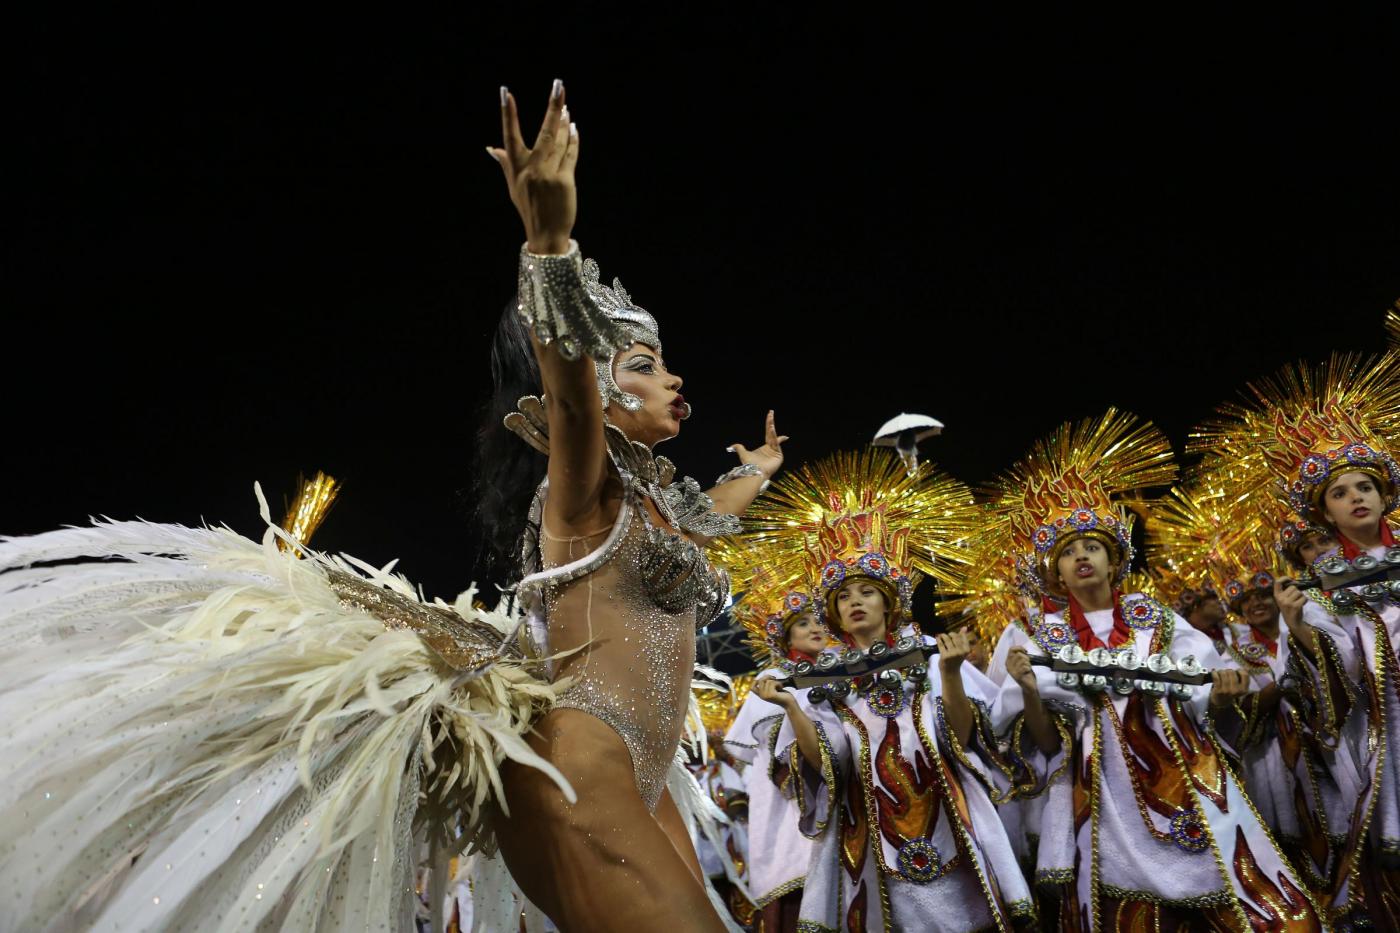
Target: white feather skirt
200,732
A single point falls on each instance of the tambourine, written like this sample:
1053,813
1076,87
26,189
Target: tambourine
1124,671
1337,573
834,675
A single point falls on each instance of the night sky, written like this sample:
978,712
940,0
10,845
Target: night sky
245,248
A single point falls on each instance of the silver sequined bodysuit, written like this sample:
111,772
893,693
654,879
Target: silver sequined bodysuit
630,597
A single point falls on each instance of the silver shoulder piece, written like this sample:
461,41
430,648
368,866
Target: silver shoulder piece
529,422
559,308
693,511
683,503
635,459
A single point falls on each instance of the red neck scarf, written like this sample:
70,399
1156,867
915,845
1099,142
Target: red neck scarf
795,655
1265,640
1120,635
1351,550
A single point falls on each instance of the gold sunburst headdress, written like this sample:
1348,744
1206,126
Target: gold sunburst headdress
861,546
1299,429
1392,324
769,604
1293,533
864,511
1187,532
1253,570
999,593
1072,485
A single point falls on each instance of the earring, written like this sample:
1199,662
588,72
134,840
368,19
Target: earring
629,401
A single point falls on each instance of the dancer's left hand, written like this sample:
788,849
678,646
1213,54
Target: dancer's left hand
769,457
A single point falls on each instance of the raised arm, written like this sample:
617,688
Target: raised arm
738,488
953,649
567,330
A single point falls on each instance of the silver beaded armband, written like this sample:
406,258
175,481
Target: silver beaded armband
556,305
739,472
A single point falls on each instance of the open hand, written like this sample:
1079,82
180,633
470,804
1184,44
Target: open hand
541,177
769,457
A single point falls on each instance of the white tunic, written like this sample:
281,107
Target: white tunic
778,853
1368,739
1105,839
903,815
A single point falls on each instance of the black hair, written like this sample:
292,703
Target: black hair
506,470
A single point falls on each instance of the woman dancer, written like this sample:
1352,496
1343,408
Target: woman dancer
212,733
622,581
1146,827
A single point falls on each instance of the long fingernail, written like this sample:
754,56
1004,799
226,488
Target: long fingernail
505,92
492,153
729,450
557,90
573,129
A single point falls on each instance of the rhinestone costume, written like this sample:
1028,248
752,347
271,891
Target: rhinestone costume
627,601
631,605
617,608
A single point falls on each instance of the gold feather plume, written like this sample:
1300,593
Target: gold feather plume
1099,465
937,509
1255,447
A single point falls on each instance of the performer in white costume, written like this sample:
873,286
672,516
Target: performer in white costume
1323,435
1145,826
206,732
896,780
785,630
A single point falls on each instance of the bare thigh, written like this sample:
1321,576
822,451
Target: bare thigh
668,815
604,862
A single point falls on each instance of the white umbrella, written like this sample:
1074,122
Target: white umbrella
903,432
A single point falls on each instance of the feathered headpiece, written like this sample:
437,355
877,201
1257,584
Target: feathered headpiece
854,505
1070,486
1298,430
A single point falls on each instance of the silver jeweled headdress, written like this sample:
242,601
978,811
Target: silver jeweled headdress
635,321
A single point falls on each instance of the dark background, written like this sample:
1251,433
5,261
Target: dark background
245,247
